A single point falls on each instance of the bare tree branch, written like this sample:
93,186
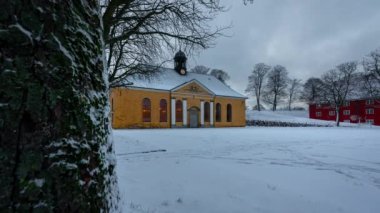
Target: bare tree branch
256,81
145,31
338,85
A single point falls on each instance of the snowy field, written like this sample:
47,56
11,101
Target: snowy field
249,170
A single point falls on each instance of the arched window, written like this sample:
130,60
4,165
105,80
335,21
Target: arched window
163,111
178,111
229,113
207,112
218,113
146,110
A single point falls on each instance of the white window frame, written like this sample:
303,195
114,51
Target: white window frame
318,114
331,113
369,111
346,112
370,121
346,103
369,102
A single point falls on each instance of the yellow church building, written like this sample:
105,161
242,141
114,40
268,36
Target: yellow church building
177,98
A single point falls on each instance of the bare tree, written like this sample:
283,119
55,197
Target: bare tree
200,69
256,81
275,89
371,64
369,85
220,75
294,90
312,90
338,85
140,32
371,75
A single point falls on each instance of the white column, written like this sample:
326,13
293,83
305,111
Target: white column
202,113
173,112
212,113
184,111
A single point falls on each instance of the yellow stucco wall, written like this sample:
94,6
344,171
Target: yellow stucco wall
238,111
127,106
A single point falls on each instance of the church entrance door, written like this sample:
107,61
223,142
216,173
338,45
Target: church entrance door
193,112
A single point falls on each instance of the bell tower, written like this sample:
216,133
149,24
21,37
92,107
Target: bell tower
180,62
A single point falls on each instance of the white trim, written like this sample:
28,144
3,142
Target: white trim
184,112
370,121
173,111
369,111
369,102
202,113
193,81
211,113
191,95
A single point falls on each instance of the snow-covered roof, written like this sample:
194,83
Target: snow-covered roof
168,79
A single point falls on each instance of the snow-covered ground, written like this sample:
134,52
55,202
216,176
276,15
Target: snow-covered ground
301,117
253,169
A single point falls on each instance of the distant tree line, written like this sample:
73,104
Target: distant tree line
272,85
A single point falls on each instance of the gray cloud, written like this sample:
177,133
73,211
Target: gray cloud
308,37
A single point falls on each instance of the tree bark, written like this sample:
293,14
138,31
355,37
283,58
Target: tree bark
54,127
337,117
258,103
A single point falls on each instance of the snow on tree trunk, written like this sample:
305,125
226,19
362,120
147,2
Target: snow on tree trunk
56,152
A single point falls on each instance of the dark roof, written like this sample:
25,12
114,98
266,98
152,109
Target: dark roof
180,54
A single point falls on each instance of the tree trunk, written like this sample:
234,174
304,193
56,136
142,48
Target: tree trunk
337,117
54,126
274,103
258,103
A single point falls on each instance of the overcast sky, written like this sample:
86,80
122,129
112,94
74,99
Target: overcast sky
308,37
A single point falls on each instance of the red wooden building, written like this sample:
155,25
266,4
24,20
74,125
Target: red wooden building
353,111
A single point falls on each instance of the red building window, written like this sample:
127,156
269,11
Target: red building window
369,111
318,114
346,112
218,113
369,121
178,111
163,111
332,113
369,102
207,112
229,113
146,110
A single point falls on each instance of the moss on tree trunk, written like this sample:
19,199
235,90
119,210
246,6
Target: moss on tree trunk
54,126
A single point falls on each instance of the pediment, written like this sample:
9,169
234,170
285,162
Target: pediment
193,87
